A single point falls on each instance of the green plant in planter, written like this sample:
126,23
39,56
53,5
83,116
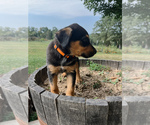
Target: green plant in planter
97,67
147,74
83,83
140,81
114,82
60,78
97,85
119,74
101,73
137,82
106,80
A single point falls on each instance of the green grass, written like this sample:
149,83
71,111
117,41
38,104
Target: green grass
108,53
135,53
136,56
108,50
104,56
37,55
12,55
135,50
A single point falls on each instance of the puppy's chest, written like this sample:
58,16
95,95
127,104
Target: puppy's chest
66,68
65,65
60,69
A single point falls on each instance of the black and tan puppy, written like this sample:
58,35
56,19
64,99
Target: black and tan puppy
69,43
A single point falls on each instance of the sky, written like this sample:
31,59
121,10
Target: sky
46,13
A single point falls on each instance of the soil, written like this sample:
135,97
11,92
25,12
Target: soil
136,83
99,84
94,84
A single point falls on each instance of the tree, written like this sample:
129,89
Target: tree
137,7
109,28
42,32
105,7
54,30
32,33
108,31
49,35
22,32
136,12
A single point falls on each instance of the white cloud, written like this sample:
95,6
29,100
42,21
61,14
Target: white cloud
63,8
14,7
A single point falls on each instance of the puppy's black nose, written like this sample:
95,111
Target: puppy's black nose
95,51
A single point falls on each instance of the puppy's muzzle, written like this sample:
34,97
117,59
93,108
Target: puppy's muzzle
90,53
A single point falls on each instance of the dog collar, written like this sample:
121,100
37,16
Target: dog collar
61,52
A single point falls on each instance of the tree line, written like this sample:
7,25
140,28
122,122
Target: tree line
13,34
27,33
43,33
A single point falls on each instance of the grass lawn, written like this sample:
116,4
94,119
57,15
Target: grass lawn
37,55
135,56
135,53
100,55
13,55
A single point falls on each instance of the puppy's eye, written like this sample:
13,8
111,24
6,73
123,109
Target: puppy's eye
85,41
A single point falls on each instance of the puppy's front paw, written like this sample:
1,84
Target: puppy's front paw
78,80
64,74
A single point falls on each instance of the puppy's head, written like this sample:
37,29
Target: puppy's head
76,39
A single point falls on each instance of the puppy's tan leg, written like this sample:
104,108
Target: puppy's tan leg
53,81
53,85
52,72
78,78
71,77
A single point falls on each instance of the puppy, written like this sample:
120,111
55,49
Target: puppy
62,56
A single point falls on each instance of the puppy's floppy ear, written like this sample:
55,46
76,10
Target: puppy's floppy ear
63,36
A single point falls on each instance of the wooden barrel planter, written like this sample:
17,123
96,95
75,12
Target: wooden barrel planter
53,109
15,91
136,65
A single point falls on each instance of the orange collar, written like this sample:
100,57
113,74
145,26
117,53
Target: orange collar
61,52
